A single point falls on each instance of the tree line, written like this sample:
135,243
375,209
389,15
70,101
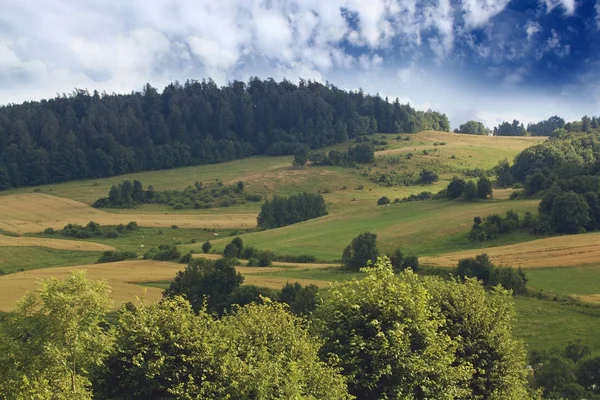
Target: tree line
282,211
552,126
85,135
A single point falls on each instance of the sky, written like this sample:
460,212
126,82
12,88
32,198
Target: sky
488,60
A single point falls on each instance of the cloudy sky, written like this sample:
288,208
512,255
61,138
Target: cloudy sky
490,60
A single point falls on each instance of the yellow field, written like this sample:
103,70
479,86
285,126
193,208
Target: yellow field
560,251
124,278
34,212
58,244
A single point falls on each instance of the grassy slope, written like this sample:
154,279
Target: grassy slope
13,259
422,228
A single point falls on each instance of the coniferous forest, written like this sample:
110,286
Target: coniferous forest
85,135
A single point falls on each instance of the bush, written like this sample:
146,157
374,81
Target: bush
111,234
360,251
49,231
427,176
84,234
231,251
114,256
383,201
206,246
264,259
185,259
165,252
174,227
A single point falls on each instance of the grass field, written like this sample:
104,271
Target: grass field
582,281
558,251
426,227
13,259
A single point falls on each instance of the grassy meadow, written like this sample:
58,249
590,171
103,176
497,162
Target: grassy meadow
436,231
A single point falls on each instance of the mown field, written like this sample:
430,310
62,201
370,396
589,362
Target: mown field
436,231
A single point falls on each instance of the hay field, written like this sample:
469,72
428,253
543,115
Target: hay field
559,251
58,244
125,278
34,212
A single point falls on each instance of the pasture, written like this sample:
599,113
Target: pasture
58,244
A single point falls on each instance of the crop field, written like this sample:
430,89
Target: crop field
34,212
59,244
558,251
21,258
125,278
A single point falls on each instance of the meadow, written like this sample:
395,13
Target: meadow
436,231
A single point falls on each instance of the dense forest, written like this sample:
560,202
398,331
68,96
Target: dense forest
552,126
85,135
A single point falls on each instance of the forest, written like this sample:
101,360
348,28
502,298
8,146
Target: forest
85,135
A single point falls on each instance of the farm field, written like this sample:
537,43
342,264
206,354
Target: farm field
558,251
34,212
21,258
125,278
59,244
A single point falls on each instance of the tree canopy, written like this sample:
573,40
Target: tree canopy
472,128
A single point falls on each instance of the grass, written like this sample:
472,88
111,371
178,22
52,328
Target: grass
421,228
544,325
153,237
580,280
14,259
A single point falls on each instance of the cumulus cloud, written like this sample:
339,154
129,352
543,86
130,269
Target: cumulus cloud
568,5
531,28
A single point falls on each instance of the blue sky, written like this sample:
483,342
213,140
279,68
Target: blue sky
490,60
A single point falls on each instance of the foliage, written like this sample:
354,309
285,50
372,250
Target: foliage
270,355
503,174
361,251
52,341
383,201
569,213
427,176
282,211
204,281
419,197
363,153
302,300
481,323
508,129
546,127
483,269
472,128
468,190
484,188
400,262
165,252
300,157
389,339
206,246
93,229
128,195
494,225
114,256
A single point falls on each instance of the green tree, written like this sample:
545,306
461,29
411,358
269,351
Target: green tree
503,173
569,213
389,340
479,267
300,157
360,251
162,351
383,201
205,281
206,246
427,176
472,128
588,374
270,355
302,300
237,242
53,339
469,190
455,188
230,251
484,188
481,324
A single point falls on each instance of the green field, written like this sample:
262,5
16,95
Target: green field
14,259
422,228
581,280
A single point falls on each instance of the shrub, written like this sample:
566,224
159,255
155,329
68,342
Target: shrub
49,231
178,206
383,201
360,251
174,227
165,252
264,259
427,176
111,234
185,259
84,234
230,251
114,256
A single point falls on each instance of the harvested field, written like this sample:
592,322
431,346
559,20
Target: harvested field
124,278
34,212
59,244
559,251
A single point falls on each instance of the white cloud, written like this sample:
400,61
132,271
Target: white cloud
532,27
554,44
479,12
568,5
